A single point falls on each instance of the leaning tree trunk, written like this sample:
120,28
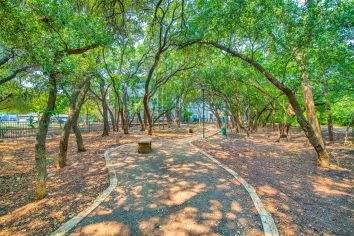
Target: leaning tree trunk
72,115
40,158
310,108
140,121
322,154
77,132
64,138
76,129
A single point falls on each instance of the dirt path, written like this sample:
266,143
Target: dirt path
174,190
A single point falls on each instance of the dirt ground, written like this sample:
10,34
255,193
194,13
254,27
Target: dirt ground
303,199
174,190
70,190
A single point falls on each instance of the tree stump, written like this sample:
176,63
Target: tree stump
190,130
144,145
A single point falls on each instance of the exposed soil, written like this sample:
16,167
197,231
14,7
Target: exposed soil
70,190
303,199
174,190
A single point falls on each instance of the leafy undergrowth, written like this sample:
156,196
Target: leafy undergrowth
302,198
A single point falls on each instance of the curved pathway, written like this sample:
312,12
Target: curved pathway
175,190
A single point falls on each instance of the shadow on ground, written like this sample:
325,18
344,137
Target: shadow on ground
173,191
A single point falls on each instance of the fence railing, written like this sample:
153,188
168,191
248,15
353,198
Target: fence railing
10,129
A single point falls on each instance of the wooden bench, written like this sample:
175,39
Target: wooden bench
144,145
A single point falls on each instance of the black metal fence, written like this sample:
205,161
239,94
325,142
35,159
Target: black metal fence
10,129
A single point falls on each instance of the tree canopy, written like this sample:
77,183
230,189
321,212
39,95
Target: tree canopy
262,61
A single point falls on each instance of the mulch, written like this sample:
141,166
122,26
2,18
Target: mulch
302,198
70,189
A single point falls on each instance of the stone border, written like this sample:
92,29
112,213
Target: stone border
269,227
70,224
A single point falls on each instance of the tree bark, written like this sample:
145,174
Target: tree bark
147,113
218,119
77,132
178,112
322,154
64,140
310,107
113,120
329,113
286,130
104,110
125,117
140,121
73,113
40,147
76,129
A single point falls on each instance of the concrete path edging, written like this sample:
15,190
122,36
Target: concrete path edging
269,227
70,224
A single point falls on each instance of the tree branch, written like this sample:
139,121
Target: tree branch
13,74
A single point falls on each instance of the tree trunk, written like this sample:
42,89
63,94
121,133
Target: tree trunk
310,108
286,130
279,131
237,125
76,129
40,156
113,121
218,119
178,113
145,120
147,113
140,121
64,138
116,113
77,132
125,109
329,113
323,156
104,110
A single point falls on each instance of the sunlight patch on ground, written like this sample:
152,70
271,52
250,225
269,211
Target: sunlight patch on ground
105,228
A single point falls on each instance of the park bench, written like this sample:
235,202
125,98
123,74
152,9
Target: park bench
144,145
